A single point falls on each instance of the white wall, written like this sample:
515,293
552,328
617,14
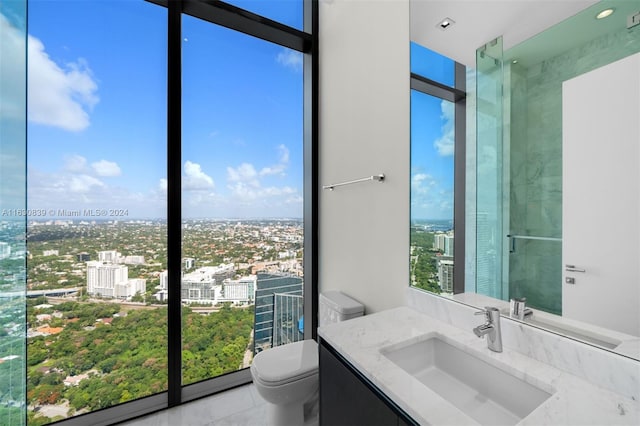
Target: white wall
364,130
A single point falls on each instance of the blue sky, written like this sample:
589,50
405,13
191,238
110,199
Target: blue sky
432,140
97,114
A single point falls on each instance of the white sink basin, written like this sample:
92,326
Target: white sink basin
484,392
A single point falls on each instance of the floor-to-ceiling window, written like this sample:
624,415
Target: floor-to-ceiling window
157,218
242,192
97,232
437,179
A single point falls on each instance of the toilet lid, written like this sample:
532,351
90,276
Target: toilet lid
286,363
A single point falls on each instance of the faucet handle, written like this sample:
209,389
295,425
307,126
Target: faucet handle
489,312
484,312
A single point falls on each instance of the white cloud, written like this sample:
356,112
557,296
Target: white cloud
63,190
246,186
106,168
283,163
82,183
248,194
162,185
75,164
421,183
59,96
244,174
290,59
429,200
195,179
446,143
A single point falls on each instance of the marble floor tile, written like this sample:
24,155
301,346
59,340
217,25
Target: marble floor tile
241,406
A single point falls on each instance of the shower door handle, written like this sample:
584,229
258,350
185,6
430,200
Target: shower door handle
572,268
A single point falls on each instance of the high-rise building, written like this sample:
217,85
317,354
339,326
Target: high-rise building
103,278
267,287
445,274
448,245
111,280
438,241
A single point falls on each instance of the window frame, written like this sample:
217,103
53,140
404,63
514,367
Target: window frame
457,95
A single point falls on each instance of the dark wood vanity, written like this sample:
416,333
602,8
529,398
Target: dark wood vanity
347,398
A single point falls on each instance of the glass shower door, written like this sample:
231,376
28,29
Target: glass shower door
489,179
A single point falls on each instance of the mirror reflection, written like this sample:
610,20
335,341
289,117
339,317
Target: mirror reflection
552,186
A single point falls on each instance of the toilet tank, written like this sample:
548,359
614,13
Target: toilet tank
335,306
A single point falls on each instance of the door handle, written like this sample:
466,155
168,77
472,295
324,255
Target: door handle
572,268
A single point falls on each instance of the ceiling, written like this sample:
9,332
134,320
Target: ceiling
480,21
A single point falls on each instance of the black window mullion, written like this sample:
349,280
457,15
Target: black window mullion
174,200
460,162
235,18
311,180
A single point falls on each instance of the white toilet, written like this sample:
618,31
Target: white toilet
287,376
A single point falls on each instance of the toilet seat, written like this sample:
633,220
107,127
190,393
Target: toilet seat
287,363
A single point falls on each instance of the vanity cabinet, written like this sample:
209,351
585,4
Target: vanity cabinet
348,398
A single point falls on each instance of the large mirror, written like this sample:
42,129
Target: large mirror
552,152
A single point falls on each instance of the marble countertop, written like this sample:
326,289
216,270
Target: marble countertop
574,401
626,344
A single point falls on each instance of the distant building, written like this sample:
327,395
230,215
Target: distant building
83,257
136,285
444,242
163,288
445,274
211,285
50,253
204,285
112,280
5,250
110,256
268,286
241,291
189,263
75,380
132,260
448,245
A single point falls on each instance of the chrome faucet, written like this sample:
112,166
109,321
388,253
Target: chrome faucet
491,328
518,308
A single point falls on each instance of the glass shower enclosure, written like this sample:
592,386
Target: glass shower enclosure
519,149
13,211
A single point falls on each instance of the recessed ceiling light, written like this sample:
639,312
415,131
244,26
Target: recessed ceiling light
603,14
445,24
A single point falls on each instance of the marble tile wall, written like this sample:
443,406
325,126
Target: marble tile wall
535,151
